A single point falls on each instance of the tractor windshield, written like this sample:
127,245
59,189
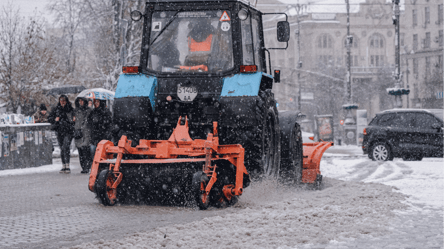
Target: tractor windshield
190,41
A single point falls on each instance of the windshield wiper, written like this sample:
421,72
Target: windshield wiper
165,27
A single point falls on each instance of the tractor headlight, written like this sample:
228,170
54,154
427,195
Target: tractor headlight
243,14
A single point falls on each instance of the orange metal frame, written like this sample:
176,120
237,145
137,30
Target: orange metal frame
312,159
168,151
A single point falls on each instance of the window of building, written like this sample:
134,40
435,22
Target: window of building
353,60
376,41
427,40
401,39
325,41
414,18
427,66
440,38
440,61
427,15
415,65
415,42
376,60
440,14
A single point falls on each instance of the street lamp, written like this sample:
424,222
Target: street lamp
350,122
299,66
398,90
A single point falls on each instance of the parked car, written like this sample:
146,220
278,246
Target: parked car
407,133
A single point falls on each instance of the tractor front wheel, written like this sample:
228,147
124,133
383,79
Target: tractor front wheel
104,191
200,181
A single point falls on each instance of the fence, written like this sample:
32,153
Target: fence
25,146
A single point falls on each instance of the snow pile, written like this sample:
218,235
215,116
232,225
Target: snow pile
267,216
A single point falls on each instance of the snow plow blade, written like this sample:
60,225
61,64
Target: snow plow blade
312,155
179,148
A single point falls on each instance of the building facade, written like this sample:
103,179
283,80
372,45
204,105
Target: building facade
323,53
422,53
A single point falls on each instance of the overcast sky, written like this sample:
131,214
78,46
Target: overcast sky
27,7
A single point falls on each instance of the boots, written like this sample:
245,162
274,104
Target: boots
67,170
63,169
84,171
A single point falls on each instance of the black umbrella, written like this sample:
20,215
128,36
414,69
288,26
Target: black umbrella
67,89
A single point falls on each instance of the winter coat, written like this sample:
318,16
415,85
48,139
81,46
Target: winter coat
40,118
65,125
100,120
81,114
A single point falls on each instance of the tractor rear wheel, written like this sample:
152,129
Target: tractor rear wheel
200,181
106,195
262,155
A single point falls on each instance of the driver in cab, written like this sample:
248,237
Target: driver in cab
200,43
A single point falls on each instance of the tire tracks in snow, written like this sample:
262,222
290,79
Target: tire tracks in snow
371,171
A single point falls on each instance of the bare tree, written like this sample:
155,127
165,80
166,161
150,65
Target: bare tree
69,16
27,59
115,37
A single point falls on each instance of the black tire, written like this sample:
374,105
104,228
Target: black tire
200,181
263,148
291,169
381,152
102,189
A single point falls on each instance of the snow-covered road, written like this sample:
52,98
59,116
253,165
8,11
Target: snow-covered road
363,204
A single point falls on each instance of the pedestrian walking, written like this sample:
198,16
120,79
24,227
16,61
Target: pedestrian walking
100,120
82,133
62,122
41,116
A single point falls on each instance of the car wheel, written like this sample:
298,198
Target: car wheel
381,152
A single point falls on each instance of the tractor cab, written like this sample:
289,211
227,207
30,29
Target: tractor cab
203,37
203,59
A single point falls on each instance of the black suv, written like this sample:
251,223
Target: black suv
407,133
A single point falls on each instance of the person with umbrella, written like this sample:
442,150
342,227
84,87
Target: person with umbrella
82,133
62,119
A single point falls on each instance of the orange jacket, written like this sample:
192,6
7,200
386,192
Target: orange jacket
195,46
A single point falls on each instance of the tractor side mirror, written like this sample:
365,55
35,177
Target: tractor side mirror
136,15
283,31
277,76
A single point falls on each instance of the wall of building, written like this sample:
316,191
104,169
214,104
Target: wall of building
422,53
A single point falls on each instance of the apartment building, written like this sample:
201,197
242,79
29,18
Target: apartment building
422,53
